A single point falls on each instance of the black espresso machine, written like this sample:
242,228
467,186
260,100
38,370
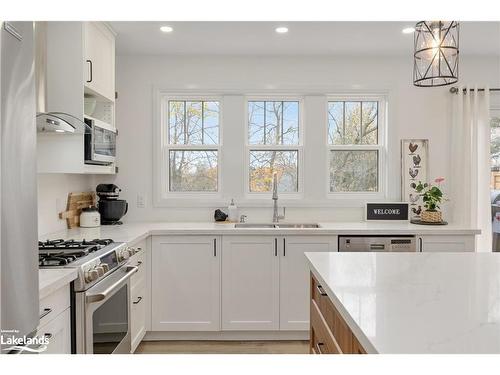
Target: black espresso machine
110,207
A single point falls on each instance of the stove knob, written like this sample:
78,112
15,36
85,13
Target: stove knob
124,255
105,267
100,270
91,275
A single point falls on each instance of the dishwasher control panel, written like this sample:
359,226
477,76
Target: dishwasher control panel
380,243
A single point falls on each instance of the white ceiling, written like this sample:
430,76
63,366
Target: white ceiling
303,38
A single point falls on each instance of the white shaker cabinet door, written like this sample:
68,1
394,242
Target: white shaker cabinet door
439,243
100,59
250,283
185,283
58,333
294,278
138,314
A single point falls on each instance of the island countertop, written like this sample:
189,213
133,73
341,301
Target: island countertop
415,302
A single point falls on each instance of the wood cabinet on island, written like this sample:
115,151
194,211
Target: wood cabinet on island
405,303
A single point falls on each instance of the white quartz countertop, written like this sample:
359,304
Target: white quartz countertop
50,280
136,231
416,302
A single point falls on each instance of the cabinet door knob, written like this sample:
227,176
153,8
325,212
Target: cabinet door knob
321,290
45,312
139,299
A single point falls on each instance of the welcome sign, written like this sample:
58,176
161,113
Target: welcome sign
387,211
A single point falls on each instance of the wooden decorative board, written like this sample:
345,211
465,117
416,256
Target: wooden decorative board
77,201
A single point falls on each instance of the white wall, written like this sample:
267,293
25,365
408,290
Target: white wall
413,113
53,192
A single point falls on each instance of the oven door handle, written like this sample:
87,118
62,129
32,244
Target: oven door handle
91,298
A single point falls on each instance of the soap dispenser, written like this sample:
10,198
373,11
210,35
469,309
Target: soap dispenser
232,212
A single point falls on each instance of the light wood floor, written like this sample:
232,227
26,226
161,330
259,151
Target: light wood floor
223,347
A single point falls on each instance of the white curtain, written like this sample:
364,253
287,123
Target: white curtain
470,163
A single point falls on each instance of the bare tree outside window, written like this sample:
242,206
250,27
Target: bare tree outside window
352,130
193,123
271,124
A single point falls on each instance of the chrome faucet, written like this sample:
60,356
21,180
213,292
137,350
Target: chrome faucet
276,217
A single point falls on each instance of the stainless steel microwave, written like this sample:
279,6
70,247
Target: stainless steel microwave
100,142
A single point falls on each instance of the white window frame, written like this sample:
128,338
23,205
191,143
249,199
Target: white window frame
162,179
381,147
299,147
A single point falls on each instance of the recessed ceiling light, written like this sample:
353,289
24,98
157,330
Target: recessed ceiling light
281,30
167,29
408,30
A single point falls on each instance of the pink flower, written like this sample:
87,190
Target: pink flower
439,180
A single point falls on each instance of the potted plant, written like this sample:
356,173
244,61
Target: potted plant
432,196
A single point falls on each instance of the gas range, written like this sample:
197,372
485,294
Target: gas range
94,259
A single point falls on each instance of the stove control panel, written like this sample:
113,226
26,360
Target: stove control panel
99,267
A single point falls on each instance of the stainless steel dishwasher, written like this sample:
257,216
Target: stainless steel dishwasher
381,243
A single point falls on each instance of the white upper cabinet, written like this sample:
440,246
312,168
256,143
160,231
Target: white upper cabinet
294,278
185,283
250,283
99,47
62,73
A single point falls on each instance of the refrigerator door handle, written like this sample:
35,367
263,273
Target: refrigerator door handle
7,26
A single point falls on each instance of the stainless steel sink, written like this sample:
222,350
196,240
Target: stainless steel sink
276,226
297,226
252,225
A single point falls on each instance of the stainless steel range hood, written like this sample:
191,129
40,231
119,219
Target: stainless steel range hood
59,122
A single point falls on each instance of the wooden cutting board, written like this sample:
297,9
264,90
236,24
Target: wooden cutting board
77,201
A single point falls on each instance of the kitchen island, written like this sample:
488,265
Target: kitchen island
406,303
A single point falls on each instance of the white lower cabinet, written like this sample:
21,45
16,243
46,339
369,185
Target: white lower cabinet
55,321
138,314
185,283
138,296
250,283
459,243
294,278
58,333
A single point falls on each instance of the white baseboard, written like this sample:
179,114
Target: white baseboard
228,335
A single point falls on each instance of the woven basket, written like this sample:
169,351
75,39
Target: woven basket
431,216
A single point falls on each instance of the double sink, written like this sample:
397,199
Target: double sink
276,226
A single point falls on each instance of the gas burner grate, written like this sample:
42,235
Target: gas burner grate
61,252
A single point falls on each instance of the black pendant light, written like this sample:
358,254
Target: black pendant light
435,60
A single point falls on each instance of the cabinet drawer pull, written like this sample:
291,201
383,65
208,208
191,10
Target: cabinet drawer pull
319,345
321,290
215,247
139,299
91,68
284,247
275,247
45,312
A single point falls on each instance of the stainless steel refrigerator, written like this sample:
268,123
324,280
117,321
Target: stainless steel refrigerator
19,248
